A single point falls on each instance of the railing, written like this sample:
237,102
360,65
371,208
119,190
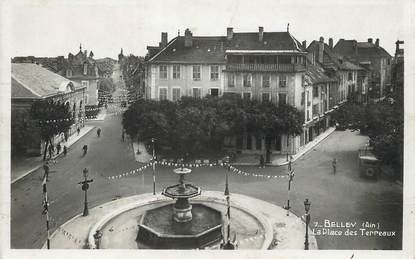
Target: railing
266,67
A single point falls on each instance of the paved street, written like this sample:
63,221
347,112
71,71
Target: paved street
342,197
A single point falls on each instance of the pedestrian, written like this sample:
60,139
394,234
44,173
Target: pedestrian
66,136
99,132
65,150
58,148
123,136
334,163
46,169
85,149
78,130
51,150
261,161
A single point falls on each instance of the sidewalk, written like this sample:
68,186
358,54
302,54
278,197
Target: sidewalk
143,156
24,166
280,160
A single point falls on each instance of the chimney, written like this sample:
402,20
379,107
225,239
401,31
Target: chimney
377,42
304,44
188,42
331,43
370,40
229,33
260,33
320,50
163,42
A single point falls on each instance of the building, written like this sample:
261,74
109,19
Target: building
266,66
80,68
351,77
31,82
398,68
375,59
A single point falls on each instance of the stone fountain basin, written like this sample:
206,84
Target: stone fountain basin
158,229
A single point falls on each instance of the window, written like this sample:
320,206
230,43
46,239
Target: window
315,91
315,110
247,80
214,73
302,98
163,94
308,115
85,68
196,73
176,71
231,80
282,98
68,73
197,92
176,94
246,96
163,72
283,81
350,76
265,97
85,84
214,92
266,80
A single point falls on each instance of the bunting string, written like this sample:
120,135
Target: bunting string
132,172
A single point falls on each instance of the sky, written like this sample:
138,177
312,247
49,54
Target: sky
52,28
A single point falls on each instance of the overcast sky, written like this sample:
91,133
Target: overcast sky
51,28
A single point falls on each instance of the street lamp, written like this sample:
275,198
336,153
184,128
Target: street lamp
85,186
228,244
307,205
154,166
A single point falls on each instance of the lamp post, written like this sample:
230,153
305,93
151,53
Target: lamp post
228,244
154,166
290,179
85,186
45,204
307,205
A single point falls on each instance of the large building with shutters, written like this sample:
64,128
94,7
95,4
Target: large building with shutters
265,66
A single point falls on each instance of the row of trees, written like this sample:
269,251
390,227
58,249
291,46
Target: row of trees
59,116
132,68
383,122
194,125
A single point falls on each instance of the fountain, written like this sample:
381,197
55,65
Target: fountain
180,225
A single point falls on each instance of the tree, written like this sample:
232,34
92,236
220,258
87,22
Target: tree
198,125
54,118
132,68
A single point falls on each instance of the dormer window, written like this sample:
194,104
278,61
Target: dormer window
68,73
85,68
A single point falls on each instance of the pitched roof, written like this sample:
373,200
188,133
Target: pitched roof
33,81
364,50
315,74
212,49
333,59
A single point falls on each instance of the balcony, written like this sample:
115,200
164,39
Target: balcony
264,67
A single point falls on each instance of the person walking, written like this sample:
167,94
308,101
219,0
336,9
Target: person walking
51,150
99,132
334,164
123,136
85,149
261,161
65,150
78,130
58,148
46,169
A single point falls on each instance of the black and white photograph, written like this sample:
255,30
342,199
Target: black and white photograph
157,129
